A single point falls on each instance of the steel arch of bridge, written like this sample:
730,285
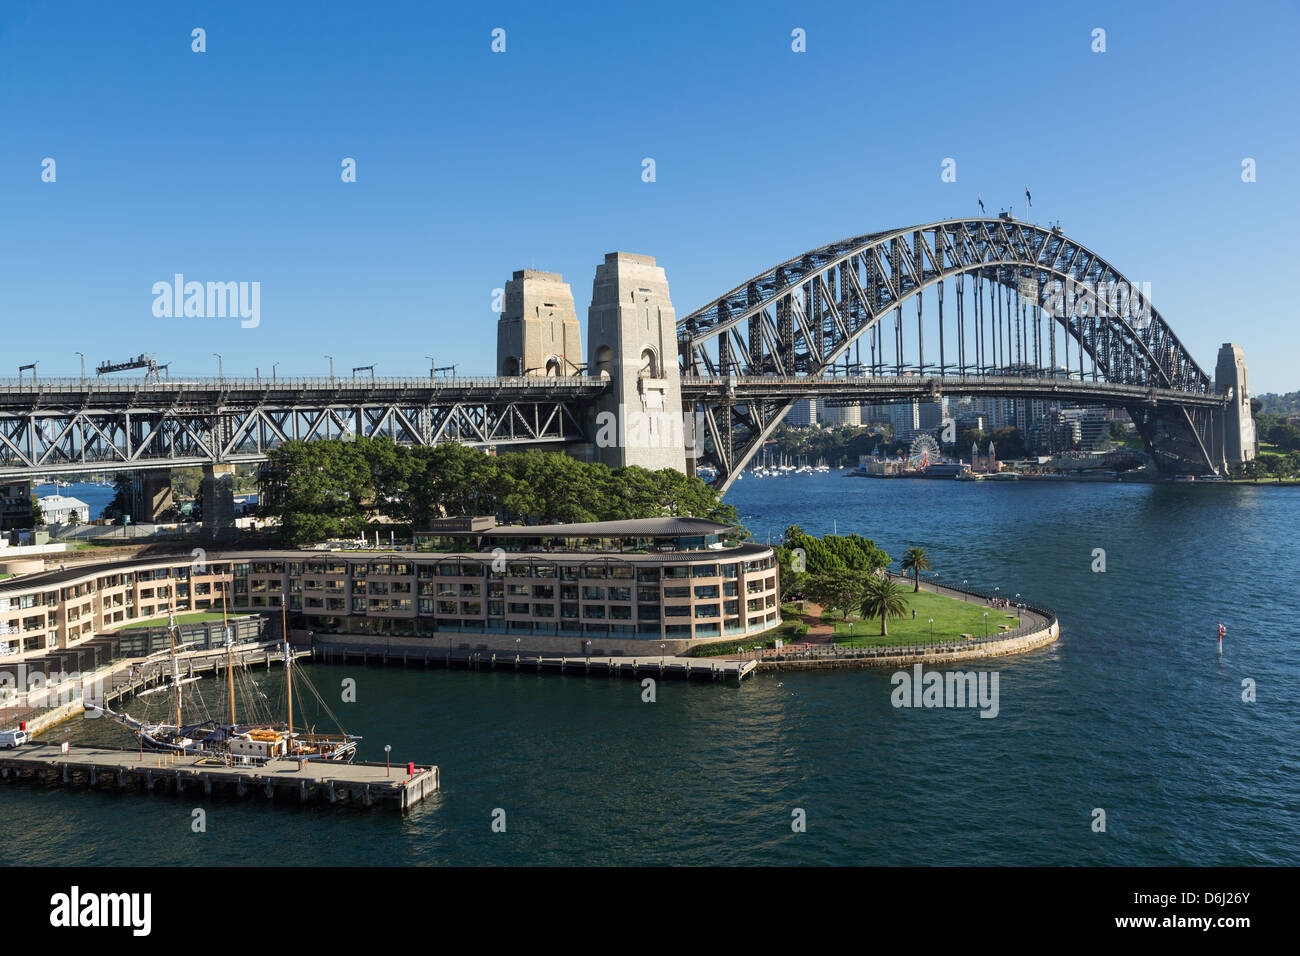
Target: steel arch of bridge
798,319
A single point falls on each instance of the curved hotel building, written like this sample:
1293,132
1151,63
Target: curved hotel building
598,587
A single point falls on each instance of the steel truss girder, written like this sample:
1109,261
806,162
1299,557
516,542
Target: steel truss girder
54,440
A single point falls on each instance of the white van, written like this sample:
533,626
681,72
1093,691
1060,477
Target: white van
9,739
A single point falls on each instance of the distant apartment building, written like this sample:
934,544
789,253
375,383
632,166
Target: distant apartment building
804,413
841,414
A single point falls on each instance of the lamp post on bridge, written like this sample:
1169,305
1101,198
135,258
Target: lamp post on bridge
83,368
221,373
273,365
331,358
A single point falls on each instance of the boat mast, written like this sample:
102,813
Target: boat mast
288,655
230,672
176,673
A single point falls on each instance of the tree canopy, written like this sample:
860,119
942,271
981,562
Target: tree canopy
333,489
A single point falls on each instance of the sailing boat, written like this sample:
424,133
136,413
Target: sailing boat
254,741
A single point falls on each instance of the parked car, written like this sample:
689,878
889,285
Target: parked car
9,739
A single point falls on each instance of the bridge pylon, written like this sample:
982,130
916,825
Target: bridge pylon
1235,423
632,342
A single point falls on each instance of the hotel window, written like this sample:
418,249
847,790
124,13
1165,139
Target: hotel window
729,588
620,612
706,610
521,570
704,571
426,606
544,591
358,570
677,610
381,569
447,607
647,574
517,590
496,608
516,608
593,594
471,569
593,611
731,607
647,594
543,610
568,572
594,571
568,610
359,604
681,571
706,591
470,590
471,608
677,592
647,612
546,570
621,572
569,592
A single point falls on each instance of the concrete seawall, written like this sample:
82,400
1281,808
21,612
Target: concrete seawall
1017,644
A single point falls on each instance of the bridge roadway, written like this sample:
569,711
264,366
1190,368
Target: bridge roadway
71,425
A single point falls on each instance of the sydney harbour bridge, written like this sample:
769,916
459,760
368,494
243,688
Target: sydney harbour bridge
987,307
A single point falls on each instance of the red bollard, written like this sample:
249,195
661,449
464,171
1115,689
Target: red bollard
410,768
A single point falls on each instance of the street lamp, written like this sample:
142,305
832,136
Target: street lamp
221,375
432,370
931,630
388,767
963,587
331,358
986,623
661,654
586,646
83,368
517,640
273,365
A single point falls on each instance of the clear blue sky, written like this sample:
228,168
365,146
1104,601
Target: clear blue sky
225,165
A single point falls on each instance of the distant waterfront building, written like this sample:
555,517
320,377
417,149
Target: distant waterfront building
841,414
984,464
930,415
905,417
804,413
59,509
15,505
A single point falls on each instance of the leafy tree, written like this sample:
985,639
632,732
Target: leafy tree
916,561
38,513
883,599
839,590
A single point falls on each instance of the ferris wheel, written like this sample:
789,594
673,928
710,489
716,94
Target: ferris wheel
923,451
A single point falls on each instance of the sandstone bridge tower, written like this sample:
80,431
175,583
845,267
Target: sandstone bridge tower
632,342
538,333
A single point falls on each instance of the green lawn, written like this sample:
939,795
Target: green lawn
952,618
197,617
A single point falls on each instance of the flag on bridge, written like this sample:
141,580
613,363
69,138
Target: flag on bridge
1028,199
980,199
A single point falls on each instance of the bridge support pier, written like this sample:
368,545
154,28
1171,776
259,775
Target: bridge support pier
218,503
1235,425
151,497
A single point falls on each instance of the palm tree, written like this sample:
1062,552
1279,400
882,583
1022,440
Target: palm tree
883,599
916,561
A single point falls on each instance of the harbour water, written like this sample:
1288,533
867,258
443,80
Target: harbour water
1131,712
